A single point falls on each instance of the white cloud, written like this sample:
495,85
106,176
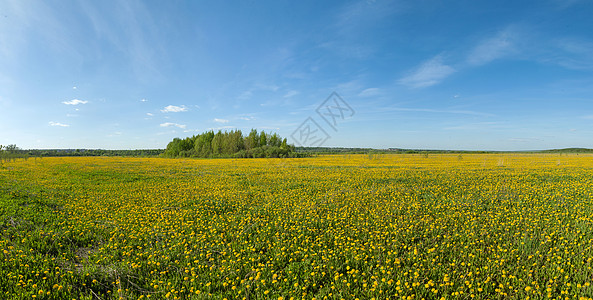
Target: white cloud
267,87
356,16
525,140
429,73
173,108
169,124
138,43
74,87
369,92
571,54
443,111
143,100
117,133
248,94
51,123
191,130
149,114
220,120
222,127
493,48
247,118
245,95
291,93
75,102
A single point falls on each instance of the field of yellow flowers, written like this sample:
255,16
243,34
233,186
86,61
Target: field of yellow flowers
482,226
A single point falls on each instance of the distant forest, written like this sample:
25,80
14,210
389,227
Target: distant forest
12,151
231,144
247,147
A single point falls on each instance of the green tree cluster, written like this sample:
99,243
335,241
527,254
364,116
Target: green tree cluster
231,144
11,152
92,152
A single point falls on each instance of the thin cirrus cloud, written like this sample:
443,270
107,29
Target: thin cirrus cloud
434,71
443,111
75,102
220,120
429,73
169,124
51,123
369,92
173,108
571,53
493,48
291,93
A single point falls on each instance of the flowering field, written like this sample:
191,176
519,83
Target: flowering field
483,226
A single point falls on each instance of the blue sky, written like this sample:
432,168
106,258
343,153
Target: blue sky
497,75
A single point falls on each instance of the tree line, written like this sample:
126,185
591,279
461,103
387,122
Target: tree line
11,152
231,144
92,152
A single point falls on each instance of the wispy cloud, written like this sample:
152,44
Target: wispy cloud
267,87
75,102
257,88
143,100
493,48
149,114
222,127
51,123
563,4
429,73
26,18
571,54
525,140
356,16
348,50
351,22
192,130
369,92
220,120
247,118
117,133
173,108
140,43
444,111
245,95
478,126
169,124
514,41
291,93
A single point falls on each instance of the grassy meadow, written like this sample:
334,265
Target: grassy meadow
479,226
